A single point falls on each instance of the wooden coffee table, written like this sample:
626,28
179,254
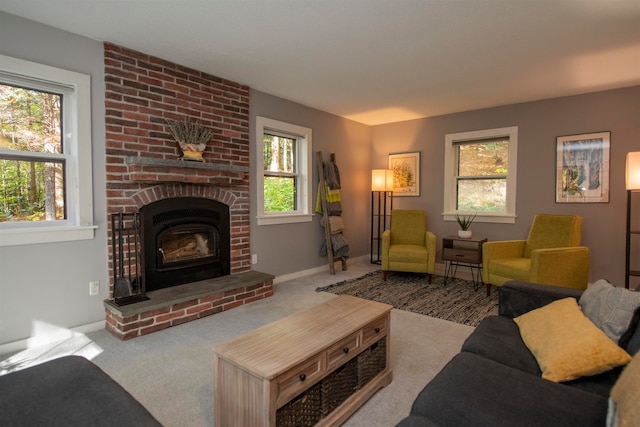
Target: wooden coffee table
315,367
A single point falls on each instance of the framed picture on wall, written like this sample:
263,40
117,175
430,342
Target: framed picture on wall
582,168
406,173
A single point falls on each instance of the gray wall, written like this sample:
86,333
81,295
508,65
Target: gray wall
48,284
285,249
539,123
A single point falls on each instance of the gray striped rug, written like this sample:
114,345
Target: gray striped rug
457,301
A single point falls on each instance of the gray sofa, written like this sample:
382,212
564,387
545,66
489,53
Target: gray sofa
69,391
495,380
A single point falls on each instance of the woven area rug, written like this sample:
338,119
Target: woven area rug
457,301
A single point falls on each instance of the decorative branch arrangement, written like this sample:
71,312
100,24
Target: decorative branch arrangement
192,138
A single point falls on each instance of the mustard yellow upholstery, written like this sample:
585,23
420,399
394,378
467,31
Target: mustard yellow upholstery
408,246
551,255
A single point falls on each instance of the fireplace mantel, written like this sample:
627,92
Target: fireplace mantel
148,169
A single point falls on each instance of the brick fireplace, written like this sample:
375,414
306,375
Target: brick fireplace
143,167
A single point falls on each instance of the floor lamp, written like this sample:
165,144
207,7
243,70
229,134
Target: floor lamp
632,184
381,190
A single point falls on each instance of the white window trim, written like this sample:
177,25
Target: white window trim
304,213
450,211
79,190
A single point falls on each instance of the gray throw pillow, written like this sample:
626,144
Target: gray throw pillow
609,307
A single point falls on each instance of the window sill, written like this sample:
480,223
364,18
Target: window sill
483,217
38,235
284,219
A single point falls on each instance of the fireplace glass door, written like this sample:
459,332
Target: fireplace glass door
187,244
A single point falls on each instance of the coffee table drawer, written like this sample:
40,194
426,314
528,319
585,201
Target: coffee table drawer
298,379
374,330
344,350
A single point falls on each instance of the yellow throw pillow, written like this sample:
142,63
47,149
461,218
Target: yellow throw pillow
566,344
624,410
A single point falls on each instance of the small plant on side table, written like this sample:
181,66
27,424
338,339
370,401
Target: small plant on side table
465,222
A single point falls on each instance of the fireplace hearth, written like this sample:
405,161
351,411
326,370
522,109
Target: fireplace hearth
184,239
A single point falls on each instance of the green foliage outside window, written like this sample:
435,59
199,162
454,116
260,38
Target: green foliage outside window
31,187
279,194
482,176
279,179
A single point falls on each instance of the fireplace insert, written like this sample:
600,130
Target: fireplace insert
184,239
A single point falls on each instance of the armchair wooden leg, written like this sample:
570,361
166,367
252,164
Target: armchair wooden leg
430,278
488,289
384,276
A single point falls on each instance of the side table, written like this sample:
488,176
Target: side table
457,251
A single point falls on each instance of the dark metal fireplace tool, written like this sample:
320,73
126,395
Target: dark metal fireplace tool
128,286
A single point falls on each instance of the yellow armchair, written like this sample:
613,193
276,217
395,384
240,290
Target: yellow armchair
551,255
408,246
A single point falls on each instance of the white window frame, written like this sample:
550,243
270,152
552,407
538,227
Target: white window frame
450,163
76,88
303,136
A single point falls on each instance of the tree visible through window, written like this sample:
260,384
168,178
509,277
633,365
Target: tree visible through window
482,175
32,164
280,177
283,177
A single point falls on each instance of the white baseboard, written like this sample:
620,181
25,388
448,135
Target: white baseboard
58,335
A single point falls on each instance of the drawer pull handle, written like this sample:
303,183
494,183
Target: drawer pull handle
346,350
303,377
377,330
460,255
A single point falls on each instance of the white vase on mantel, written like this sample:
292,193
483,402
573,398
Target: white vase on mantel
464,234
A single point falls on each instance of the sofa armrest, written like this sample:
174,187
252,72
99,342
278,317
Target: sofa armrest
517,298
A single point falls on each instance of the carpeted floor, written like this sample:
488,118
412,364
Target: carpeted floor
457,301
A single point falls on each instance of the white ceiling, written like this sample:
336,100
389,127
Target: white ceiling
376,61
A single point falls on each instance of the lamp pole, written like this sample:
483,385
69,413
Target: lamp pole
381,186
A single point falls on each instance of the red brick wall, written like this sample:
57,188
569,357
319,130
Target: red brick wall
142,92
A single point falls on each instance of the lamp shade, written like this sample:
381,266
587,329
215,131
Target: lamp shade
633,170
381,180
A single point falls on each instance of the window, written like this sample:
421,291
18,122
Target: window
45,154
284,172
480,174
32,166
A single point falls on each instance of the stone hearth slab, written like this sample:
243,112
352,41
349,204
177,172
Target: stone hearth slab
178,304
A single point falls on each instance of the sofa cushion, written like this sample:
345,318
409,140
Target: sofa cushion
413,421
475,391
609,307
624,410
518,297
498,338
69,391
566,344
